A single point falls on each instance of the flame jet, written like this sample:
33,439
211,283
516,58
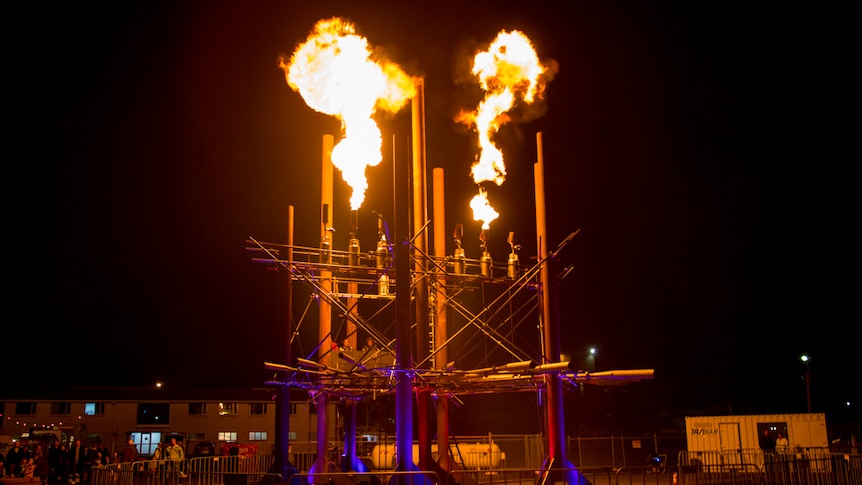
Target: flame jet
509,70
336,74
482,210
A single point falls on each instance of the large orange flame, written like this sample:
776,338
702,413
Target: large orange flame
482,210
334,72
509,70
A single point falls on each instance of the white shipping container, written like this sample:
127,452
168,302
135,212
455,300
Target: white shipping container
742,432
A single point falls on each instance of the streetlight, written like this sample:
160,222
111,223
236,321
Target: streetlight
807,361
591,359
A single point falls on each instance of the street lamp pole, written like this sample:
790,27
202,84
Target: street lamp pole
807,361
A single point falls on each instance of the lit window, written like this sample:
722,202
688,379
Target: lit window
94,408
257,435
226,408
229,436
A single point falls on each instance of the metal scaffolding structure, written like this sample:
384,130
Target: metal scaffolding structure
453,325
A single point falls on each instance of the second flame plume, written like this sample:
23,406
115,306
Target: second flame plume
508,71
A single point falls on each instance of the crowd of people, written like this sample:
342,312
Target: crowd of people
61,463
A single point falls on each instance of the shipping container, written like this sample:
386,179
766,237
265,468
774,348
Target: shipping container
737,439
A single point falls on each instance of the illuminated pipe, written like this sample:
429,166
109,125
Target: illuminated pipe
403,320
326,283
420,242
281,449
441,332
516,366
278,367
311,363
554,367
352,287
557,467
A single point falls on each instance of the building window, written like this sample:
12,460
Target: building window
229,436
94,408
154,413
226,408
197,408
257,408
257,435
146,442
197,436
25,408
93,438
61,408
292,408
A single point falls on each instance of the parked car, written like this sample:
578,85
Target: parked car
203,448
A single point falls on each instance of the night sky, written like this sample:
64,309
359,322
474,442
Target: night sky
149,141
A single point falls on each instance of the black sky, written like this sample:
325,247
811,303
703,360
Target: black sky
150,140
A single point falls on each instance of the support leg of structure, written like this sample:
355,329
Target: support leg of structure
282,465
557,467
349,461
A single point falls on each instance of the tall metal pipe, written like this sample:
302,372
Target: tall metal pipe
325,331
352,287
420,241
557,467
282,465
441,332
403,346
350,462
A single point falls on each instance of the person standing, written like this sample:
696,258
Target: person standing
175,452
767,443
130,453
63,465
13,459
41,467
782,446
158,456
77,456
54,460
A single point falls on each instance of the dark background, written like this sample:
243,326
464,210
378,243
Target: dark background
699,150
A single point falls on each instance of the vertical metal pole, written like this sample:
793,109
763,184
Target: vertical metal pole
282,464
558,467
403,346
441,332
420,240
350,462
325,331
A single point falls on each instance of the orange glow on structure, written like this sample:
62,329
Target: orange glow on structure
508,71
334,72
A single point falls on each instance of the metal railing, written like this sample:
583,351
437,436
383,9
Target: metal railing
746,467
811,466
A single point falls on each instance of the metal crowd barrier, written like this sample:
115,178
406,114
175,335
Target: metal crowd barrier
693,469
809,467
